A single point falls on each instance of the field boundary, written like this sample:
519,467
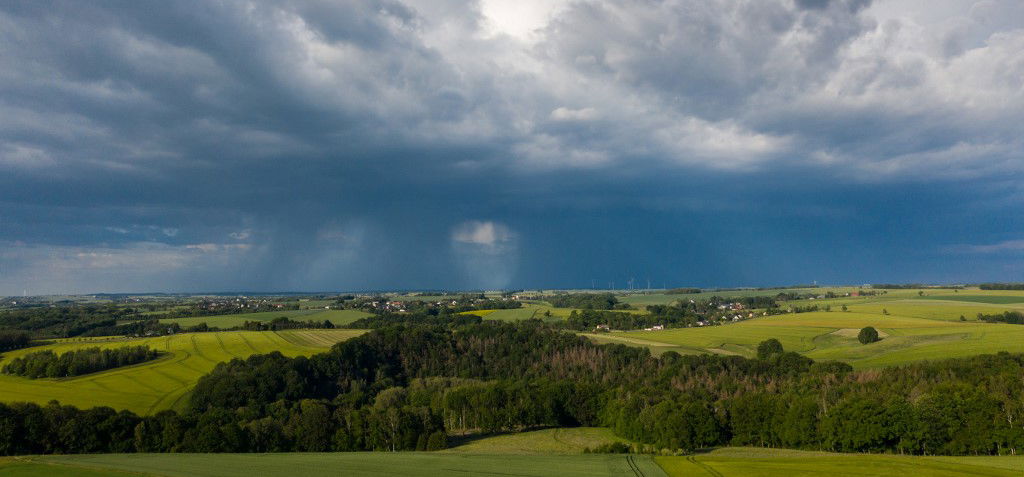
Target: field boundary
707,468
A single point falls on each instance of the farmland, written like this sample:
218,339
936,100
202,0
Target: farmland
725,462
572,440
827,335
164,383
481,422
730,462
337,317
529,311
365,464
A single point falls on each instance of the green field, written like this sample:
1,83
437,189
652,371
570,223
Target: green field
338,317
993,299
726,462
739,462
929,309
364,464
654,298
163,383
526,312
832,335
571,440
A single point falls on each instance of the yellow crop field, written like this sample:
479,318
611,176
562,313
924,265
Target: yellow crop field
166,382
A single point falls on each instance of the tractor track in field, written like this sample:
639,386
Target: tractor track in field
707,468
220,342
247,343
198,353
631,462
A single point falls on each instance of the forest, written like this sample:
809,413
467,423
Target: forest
408,387
64,321
585,301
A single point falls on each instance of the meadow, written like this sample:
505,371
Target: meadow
164,383
559,440
729,462
359,464
529,311
337,317
661,298
832,335
533,310
724,462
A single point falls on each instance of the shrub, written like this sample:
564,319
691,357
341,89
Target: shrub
768,347
867,335
611,448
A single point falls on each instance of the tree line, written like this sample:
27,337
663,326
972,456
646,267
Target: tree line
585,320
47,364
683,291
586,301
914,286
11,340
438,319
1011,317
64,321
1001,286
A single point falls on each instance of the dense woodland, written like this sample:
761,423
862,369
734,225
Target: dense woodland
586,301
64,321
10,340
47,364
388,319
1001,286
407,387
683,291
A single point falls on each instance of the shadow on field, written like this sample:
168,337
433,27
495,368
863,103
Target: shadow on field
457,441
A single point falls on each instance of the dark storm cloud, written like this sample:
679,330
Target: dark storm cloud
383,144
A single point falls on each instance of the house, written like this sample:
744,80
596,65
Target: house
602,328
657,327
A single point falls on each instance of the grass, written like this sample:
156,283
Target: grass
928,309
994,299
338,317
163,383
12,467
725,462
730,462
528,311
644,299
572,440
828,335
357,464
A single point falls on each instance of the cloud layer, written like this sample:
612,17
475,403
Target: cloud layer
414,144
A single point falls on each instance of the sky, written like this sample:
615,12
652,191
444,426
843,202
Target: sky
305,145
